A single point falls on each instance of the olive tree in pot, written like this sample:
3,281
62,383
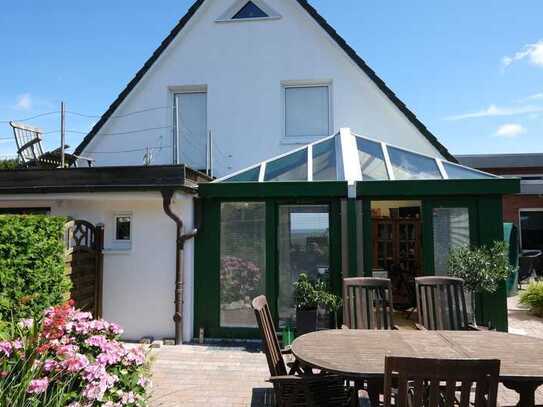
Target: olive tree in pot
482,269
309,296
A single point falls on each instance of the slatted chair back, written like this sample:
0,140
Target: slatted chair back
266,326
416,382
28,140
441,304
367,303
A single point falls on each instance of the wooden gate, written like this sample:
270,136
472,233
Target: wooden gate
83,262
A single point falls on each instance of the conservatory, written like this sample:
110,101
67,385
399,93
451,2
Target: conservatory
343,206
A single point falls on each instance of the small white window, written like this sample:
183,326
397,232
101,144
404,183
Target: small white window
307,111
123,231
123,228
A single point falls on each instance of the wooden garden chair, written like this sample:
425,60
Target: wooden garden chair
30,150
417,382
295,389
367,303
441,304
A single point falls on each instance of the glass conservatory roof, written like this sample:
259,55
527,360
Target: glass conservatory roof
346,156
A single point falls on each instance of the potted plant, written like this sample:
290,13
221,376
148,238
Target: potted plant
306,298
482,269
532,296
309,297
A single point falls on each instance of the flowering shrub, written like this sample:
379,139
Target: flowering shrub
68,358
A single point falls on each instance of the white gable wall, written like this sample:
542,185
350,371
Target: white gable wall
242,65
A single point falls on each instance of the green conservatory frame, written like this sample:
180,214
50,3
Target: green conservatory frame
349,205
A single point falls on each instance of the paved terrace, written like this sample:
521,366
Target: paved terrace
234,376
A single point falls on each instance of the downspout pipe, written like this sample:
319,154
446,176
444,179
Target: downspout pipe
180,245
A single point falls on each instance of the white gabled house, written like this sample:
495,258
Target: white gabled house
261,76
235,83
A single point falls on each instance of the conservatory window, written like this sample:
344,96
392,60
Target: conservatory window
372,161
409,166
307,111
458,172
242,261
324,161
292,167
451,230
251,175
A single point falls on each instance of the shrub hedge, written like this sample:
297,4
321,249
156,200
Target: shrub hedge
32,276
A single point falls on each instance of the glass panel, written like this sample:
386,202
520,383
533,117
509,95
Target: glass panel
307,111
451,230
304,247
372,161
407,165
191,120
250,10
531,225
458,172
243,261
324,161
292,167
245,176
122,228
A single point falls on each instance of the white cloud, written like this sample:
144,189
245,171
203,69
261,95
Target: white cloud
535,96
532,52
510,130
24,102
493,111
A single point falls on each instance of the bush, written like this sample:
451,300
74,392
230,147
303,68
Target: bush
68,359
32,276
9,164
481,268
532,296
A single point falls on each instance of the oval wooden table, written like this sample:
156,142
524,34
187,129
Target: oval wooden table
360,354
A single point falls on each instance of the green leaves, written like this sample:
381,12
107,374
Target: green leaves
532,296
309,294
481,268
32,275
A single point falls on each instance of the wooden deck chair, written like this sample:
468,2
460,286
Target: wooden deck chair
419,382
293,389
30,150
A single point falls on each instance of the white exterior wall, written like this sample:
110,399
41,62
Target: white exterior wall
242,64
138,287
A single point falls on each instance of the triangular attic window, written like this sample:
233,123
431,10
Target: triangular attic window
249,10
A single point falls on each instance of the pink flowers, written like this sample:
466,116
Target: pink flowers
75,354
75,363
37,386
5,348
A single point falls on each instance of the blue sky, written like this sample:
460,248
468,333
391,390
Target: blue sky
472,71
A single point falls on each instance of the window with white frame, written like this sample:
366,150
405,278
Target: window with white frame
307,111
122,231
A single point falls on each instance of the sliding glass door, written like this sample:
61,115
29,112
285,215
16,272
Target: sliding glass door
303,239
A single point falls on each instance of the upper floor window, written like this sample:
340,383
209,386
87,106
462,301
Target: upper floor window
250,10
243,10
307,111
